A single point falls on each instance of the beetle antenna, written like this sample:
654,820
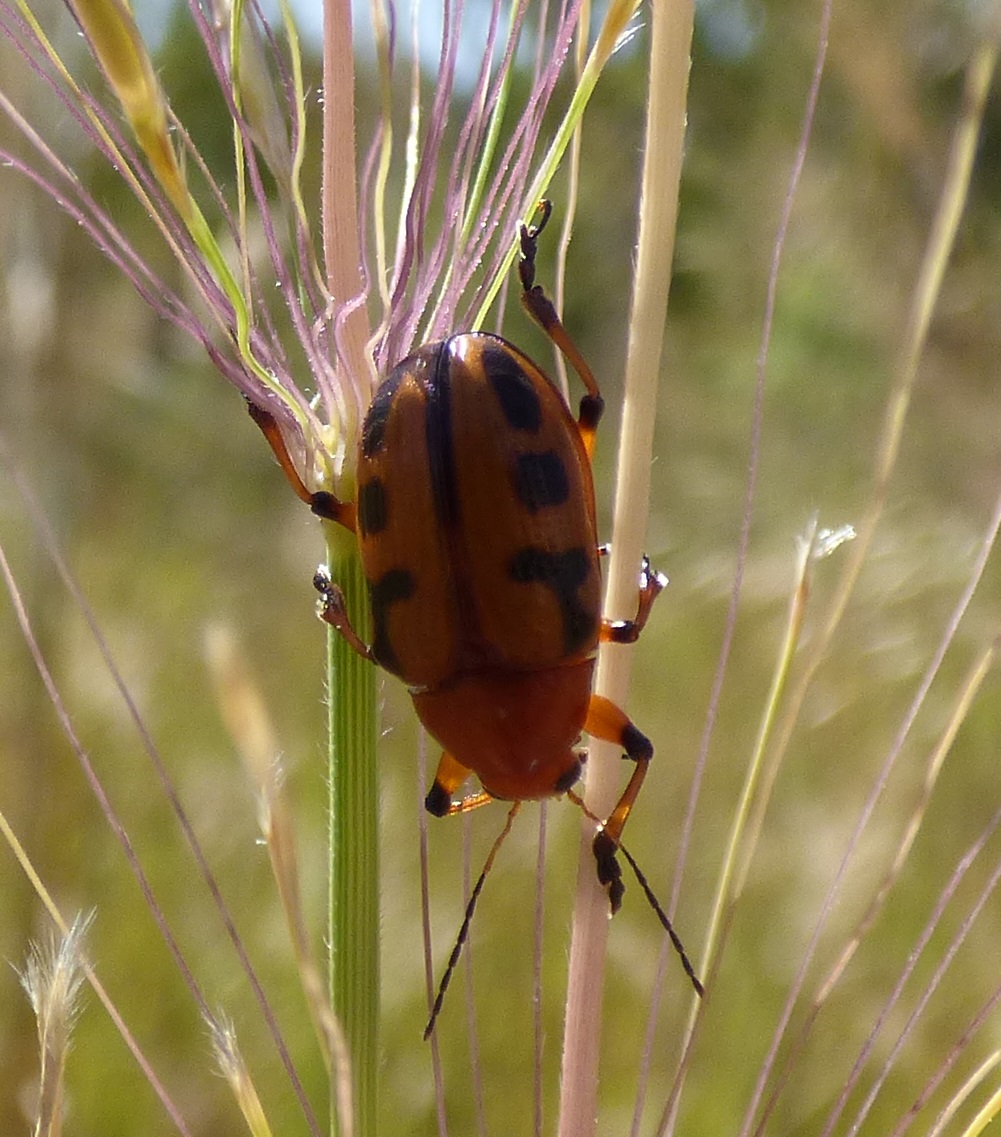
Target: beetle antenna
463,935
654,903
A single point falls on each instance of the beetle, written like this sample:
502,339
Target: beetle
475,521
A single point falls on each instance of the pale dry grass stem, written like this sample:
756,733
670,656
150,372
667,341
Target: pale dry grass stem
671,35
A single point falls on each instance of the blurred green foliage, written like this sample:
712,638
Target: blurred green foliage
174,518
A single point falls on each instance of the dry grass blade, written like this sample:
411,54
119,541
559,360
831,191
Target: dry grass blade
959,1098
965,695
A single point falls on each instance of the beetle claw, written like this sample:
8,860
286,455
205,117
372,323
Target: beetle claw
651,580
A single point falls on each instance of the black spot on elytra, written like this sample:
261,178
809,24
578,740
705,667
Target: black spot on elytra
395,585
439,435
519,401
564,573
373,430
540,480
372,507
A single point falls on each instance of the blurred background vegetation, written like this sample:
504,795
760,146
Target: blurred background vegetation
175,519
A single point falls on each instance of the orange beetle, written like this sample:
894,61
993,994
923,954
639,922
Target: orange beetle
475,521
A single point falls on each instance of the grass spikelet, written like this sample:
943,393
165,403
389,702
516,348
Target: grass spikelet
119,49
52,977
234,1069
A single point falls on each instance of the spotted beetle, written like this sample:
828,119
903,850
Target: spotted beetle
475,521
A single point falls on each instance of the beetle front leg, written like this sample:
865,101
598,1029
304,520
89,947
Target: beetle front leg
333,610
606,721
322,503
538,305
652,584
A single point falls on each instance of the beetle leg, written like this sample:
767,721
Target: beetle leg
332,609
322,503
627,631
605,720
450,775
538,305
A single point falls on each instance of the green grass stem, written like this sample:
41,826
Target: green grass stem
354,845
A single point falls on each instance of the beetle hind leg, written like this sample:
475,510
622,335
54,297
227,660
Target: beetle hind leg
450,775
606,721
